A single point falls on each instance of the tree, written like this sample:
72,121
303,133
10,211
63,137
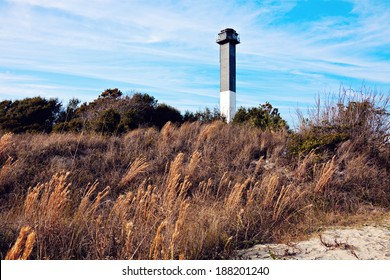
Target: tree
29,115
140,111
144,100
109,122
111,93
70,111
205,116
164,113
264,117
103,114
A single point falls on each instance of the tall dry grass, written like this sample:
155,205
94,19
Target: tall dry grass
184,195
189,192
23,246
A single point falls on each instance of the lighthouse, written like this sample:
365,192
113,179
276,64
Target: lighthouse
228,39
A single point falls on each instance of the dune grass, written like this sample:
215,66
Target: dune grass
198,191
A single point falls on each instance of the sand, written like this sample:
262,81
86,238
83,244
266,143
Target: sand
368,242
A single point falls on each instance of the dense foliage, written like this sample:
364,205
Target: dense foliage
29,115
264,117
114,113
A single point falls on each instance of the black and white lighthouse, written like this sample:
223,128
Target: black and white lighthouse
228,39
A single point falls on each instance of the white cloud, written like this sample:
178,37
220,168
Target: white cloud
168,47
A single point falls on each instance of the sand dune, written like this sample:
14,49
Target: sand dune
368,242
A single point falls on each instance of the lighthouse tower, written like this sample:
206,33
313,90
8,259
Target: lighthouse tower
228,39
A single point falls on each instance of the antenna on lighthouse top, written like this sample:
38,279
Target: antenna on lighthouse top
228,39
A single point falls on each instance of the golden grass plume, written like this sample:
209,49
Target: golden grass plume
326,176
23,246
139,166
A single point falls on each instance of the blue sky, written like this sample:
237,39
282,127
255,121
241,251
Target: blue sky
290,51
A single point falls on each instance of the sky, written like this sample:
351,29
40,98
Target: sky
290,51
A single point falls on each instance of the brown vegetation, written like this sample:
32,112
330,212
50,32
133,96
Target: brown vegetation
189,192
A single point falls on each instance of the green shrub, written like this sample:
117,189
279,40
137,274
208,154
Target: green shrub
302,144
205,116
165,113
35,114
263,117
108,123
113,113
75,125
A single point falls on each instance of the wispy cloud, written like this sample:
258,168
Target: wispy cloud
167,48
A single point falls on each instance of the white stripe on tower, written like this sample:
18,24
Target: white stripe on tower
227,104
